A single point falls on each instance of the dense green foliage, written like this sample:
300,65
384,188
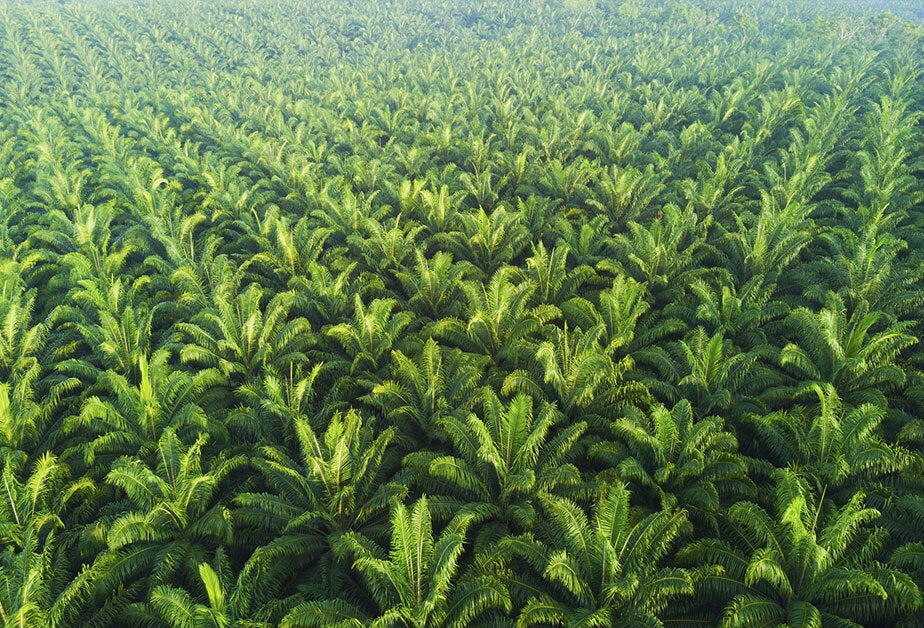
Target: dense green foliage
435,313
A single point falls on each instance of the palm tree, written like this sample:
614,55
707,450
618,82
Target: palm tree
605,571
273,403
421,392
488,241
766,244
128,419
624,194
244,339
29,396
574,370
587,241
706,370
324,294
676,461
385,251
173,519
113,323
504,461
801,564
338,484
499,318
367,342
832,348
665,255
220,607
21,342
36,503
412,584
347,215
556,281
742,315
834,447
289,250
619,310
433,287
438,210
37,583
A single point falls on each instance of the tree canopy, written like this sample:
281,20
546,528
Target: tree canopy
455,313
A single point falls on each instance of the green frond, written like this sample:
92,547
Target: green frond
326,613
748,610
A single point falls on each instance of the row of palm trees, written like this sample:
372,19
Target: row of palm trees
416,314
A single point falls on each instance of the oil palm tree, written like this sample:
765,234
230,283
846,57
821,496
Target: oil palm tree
506,456
802,563
173,518
846,352
434,286
574,370
21,342
706,370
744,315
665,254
606,570
412,583
556,281
219,607
499,318
128,419
834,447
675,461
438,383
36,587
367,342
488,241
37,581
244,337
111,320
619,310
338,483
769,242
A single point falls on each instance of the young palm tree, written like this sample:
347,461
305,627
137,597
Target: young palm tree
768,243
242,337
834,447
173,519
220,607
664,255
676,461
504,460
619,310
412,584
708,371
367,343
574,370
244,341
112,322
438,383
338,484
742,315
37,582
21,342
802,564
556,281
603,571
433,287
845,352
128,419
488,241
500,319
35,585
